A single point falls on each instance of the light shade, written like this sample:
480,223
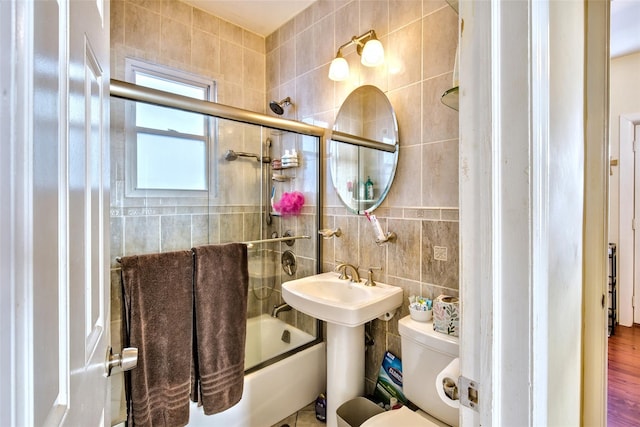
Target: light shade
367,46
372,53
339,69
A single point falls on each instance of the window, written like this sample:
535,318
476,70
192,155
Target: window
167,149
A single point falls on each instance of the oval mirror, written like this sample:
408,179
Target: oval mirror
363,151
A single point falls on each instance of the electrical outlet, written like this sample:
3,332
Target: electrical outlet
440,253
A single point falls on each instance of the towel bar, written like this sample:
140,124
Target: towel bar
256,242
275,239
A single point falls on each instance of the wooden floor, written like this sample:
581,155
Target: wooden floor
624,384
624,377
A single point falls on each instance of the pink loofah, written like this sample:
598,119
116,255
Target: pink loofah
290,203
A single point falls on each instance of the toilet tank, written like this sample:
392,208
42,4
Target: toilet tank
425,353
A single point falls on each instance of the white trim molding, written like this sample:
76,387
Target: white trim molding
626,262
16,226
521,209
595,234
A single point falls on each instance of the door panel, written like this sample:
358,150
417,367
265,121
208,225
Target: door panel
71,311
54,165
88,168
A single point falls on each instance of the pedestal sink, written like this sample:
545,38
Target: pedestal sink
345,306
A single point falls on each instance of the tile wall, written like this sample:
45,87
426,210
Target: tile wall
422,206
177,35
174,34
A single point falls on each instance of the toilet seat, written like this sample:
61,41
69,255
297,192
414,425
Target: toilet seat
398,418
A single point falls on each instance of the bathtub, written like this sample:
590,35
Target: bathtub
277,390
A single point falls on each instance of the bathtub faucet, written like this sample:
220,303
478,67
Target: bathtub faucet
278,308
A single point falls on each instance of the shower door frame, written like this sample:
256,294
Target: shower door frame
133,92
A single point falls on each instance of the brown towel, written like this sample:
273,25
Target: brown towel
221,283
158,291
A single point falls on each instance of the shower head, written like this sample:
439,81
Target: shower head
276,107
231,155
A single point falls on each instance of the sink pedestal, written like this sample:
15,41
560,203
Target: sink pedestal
345,366
345,306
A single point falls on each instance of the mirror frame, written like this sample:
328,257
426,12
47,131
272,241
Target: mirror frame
363,142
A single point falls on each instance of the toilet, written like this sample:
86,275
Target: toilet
425,354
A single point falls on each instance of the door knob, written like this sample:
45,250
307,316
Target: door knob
127,360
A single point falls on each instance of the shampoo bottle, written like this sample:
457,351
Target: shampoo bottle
369,188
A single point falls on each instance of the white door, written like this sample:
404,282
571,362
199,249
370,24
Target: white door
54,223
88,217
636,225
629,213
522,141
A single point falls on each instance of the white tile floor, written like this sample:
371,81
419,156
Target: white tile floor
306,417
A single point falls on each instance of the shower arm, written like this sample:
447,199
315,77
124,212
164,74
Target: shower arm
264,159
235,154
243,154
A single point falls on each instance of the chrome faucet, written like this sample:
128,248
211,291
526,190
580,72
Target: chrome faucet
279,308
342,269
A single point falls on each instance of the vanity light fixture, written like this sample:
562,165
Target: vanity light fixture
368,47
339,68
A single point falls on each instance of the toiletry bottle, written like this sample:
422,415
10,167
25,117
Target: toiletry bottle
377,228
321,408
293,162
393,402
362,192
369,188
286,159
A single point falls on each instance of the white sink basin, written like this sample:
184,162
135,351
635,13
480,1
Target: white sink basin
342,302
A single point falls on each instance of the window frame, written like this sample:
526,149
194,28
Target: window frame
134,66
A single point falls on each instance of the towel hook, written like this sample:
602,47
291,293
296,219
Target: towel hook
328,233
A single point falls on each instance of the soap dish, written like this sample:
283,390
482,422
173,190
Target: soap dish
280,177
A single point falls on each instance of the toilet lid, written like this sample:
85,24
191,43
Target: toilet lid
398,418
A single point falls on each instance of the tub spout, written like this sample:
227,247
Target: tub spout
278,308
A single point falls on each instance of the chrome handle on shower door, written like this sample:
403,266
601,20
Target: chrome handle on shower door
127,360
